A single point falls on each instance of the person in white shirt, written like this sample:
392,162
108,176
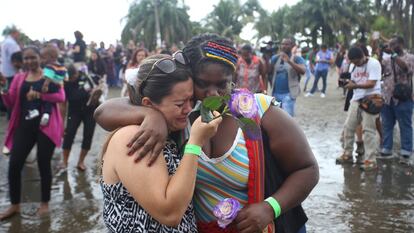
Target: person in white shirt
8,47
365,82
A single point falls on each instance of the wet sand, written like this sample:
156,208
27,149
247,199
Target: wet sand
345,200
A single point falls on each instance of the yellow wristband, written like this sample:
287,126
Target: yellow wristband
275,206
192,149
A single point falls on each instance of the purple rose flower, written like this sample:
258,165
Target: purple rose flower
242,103
226,211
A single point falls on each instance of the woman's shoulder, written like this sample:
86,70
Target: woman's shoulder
264,102
124,133
117,140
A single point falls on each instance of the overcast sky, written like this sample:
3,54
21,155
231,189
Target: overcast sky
98,20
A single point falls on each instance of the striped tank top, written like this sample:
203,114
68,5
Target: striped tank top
225,176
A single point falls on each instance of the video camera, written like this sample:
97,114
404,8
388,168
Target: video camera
270,48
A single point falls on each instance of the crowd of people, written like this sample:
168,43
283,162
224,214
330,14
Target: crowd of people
49,89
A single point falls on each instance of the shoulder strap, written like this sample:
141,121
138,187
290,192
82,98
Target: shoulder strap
353,68
393,70
255,184
277,63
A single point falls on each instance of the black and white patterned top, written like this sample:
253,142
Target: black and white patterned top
121,213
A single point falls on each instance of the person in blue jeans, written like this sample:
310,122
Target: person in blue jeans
400,67
287,69
324,59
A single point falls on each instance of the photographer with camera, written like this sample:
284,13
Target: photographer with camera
287,69
365,106
398,70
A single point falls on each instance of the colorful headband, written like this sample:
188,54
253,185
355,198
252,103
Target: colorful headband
221,59
220,52
230,50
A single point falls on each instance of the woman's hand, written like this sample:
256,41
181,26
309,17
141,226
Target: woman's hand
254,218
150,137
32,95
201,132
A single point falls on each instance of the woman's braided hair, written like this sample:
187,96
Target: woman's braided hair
210,48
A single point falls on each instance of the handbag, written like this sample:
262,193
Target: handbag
372,104
402,92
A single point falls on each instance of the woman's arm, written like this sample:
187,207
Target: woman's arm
291,149
9,97
118,112
164,197
57,97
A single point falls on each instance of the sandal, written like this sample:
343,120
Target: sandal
369,166
344,158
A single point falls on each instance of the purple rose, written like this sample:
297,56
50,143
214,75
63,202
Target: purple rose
242,103
226,211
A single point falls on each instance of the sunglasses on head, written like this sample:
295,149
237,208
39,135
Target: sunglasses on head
166,65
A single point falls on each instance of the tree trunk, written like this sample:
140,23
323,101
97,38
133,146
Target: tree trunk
412,26
405,23
314,35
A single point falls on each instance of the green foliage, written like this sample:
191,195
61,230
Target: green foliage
313,19
384,25
197,28
24,39
226,17
276,25
174,23
214,102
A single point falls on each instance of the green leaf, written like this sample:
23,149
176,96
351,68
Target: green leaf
213,102
250,128
226,98
206,115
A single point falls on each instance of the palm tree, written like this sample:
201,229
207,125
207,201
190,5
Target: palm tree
175,26
330,19
276,25
226,18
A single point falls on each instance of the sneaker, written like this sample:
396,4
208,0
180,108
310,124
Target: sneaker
344,158
360,150
323,95
405,160
32,114
6,151
368,166
308,94
384,156
45,119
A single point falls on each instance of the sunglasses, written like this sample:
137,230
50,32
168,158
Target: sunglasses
166,65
